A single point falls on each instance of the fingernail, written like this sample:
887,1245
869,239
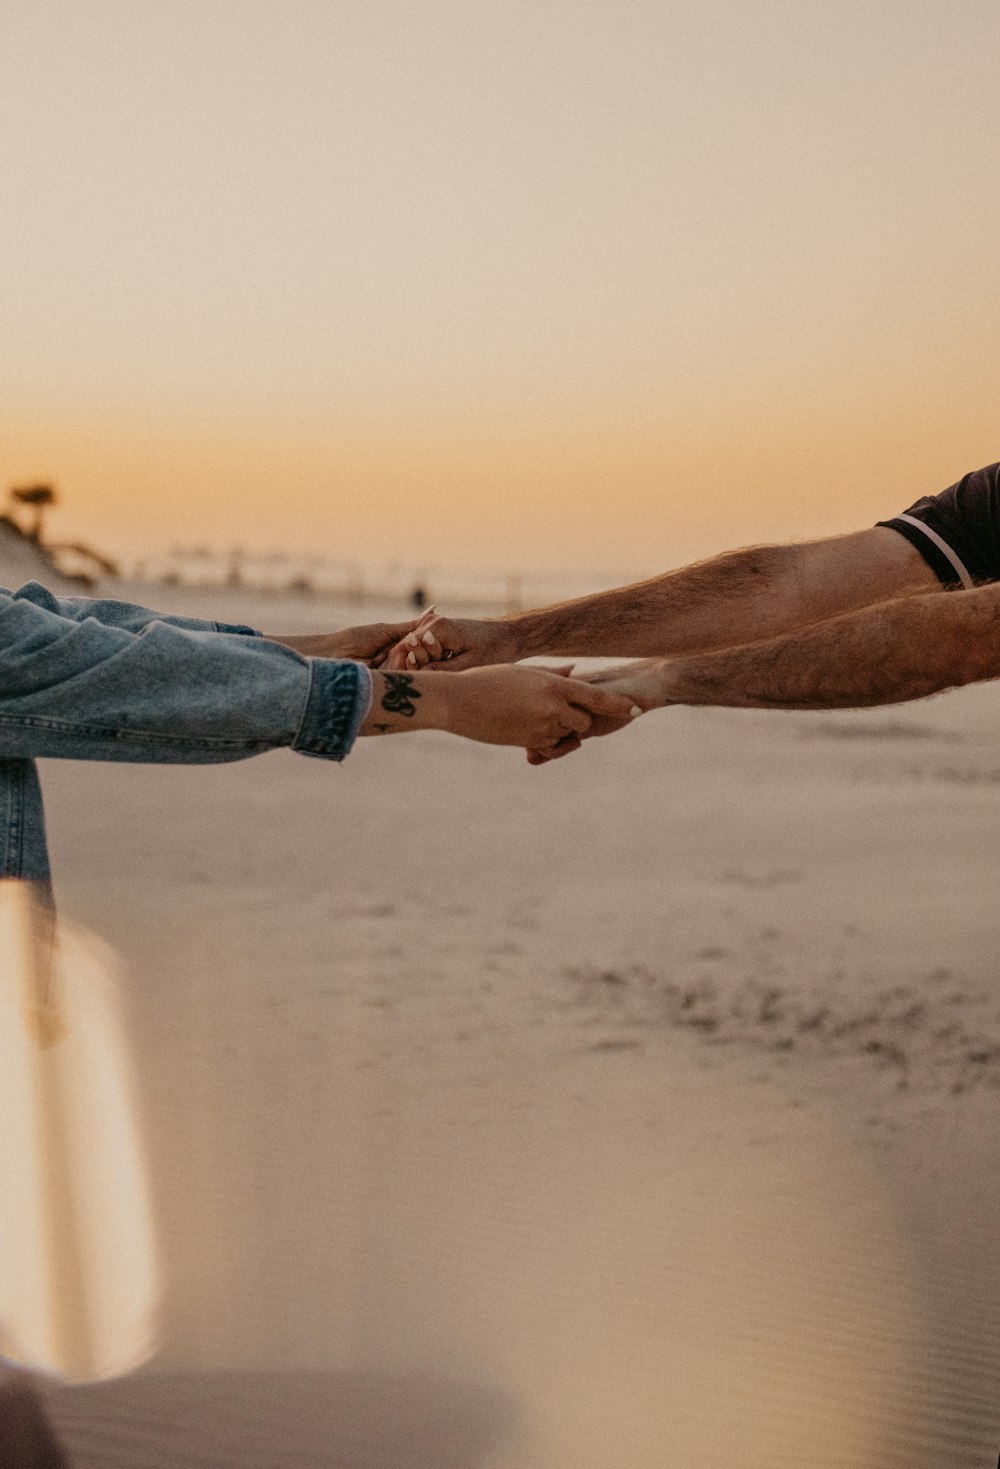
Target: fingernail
635,711
428,638
412,640
411,660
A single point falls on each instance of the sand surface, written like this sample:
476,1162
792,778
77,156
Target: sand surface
639,1111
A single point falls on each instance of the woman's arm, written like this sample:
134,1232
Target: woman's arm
86,691
83,689
364,644
112,613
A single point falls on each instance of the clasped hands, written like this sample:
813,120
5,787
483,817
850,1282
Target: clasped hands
466,677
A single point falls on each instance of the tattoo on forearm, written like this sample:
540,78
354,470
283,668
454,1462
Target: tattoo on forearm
400,694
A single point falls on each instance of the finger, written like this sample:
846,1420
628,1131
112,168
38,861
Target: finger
405,636
396,657
410,652
562,670
564,746
455,662
574,721
416,656
381,637
395,632
604,726
434,649
564,750
541,755
378,656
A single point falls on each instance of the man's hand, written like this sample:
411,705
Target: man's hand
642,682
505,705
455,643
368,644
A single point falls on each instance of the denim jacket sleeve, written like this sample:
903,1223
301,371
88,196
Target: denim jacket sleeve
85,690
118,614
132,686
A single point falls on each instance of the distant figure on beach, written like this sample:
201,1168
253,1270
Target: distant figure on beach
847,622
87,679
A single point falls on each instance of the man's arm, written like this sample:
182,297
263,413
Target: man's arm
741,597
887,654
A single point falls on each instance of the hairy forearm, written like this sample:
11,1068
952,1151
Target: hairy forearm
901,650
741,597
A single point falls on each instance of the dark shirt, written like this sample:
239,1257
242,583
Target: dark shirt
958,532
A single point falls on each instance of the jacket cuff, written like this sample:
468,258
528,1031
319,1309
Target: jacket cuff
340,695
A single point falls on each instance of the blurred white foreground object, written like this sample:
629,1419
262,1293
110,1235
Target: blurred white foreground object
78,1281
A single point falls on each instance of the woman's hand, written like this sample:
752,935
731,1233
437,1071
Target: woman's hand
644,683
501,705
370,643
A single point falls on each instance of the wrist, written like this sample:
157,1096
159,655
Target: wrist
667,680
402,702
522,635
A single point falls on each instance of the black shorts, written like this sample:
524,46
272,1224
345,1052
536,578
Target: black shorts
958,532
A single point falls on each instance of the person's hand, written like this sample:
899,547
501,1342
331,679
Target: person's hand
454,643
372,642
536,708
504,705
642,682
369,643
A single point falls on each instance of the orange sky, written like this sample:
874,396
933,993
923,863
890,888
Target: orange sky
495,283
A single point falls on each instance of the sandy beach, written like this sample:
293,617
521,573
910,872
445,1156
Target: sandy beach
638,1111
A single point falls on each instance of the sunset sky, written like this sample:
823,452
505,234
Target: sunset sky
496,282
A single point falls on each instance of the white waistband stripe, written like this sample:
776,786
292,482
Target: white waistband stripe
943,547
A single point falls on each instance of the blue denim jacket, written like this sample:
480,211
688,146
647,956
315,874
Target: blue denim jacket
84,679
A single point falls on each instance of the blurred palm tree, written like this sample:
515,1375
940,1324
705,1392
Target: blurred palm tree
71,559
38,498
